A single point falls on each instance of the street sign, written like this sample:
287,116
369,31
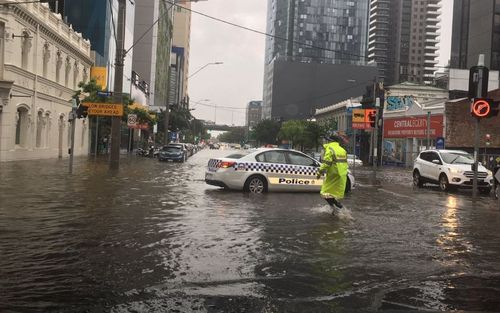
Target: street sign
480,108
105,93
104,109
497,175
440,143
131,120
362,118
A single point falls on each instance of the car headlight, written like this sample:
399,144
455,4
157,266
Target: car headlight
455,171
490,173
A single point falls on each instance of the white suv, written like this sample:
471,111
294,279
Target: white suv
450,169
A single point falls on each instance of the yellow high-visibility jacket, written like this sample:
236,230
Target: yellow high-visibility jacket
335,165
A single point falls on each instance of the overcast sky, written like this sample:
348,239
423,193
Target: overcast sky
239,80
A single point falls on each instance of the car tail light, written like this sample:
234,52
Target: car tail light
225,164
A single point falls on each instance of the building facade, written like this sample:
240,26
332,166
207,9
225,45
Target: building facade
403,39
97,21
408,109
296,89
476,30
310,31
253,114
151,59
42,61
181,47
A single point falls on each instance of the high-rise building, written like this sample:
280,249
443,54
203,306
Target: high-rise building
403,39
180,52
253,114
476,30
152,52
318,31
308,33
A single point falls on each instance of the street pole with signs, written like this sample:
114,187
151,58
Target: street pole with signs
478,89
114,160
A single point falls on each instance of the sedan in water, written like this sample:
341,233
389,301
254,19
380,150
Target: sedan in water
173,152
267,169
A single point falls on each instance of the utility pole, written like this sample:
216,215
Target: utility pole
478,79
375,134
114,160
428,130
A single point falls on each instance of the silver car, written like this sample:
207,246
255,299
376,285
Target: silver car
267,169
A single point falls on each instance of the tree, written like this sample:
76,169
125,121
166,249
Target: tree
235,135
294,131
266,132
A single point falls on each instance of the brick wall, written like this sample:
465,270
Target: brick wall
460,124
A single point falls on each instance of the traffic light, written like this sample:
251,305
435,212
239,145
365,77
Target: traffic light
81,110
494,108
487,138
372,116
484,108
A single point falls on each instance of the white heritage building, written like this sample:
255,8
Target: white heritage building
42,60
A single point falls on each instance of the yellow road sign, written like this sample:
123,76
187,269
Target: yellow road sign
104,109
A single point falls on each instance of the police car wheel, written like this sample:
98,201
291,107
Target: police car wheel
256,184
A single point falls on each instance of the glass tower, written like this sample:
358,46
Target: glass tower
323,31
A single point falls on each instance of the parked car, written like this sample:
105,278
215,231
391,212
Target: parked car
173,152
353,159
267,169
449,169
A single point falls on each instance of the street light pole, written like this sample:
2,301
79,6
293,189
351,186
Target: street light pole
204,66
114,160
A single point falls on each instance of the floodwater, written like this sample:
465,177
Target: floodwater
156,238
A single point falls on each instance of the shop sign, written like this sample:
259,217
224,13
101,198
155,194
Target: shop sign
413,127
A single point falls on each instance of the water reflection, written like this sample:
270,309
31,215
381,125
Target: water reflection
154,238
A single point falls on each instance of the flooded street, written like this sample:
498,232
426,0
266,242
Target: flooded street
156,238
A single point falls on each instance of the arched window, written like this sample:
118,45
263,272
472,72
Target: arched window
76,71
22,122
67,70
58,66
46,59
39,128
47,126
25,49
85,75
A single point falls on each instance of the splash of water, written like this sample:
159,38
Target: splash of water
344,214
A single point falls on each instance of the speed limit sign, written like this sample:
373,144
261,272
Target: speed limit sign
131,119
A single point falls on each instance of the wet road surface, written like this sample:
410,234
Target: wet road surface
156,238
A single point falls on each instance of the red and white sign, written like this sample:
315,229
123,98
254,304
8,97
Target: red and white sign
413,127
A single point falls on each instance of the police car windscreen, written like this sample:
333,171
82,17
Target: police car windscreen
236,155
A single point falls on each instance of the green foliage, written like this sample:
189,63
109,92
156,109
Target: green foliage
180,119
305,134
266,132
235,135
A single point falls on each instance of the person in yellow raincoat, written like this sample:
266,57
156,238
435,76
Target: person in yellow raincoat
334,164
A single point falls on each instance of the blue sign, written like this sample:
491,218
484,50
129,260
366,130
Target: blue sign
439,143
104,93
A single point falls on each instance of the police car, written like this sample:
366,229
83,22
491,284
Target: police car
267,169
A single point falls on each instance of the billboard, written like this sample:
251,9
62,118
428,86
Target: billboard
413,127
